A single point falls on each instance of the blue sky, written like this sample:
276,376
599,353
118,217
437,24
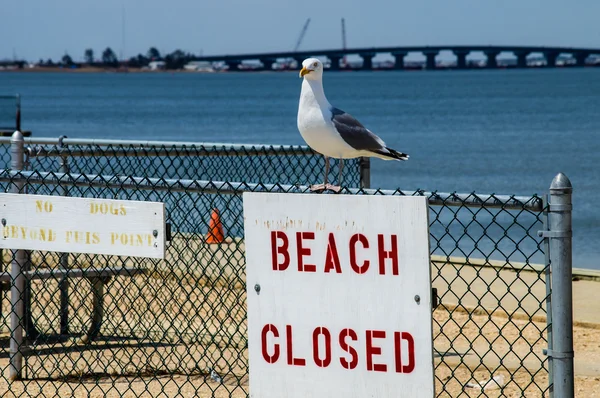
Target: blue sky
36,29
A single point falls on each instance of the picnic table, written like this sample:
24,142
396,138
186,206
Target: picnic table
98,278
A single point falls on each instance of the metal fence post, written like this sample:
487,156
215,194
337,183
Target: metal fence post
365,172
548,280
64,257
18,116
560,237
17,277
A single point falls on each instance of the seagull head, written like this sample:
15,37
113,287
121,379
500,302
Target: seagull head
312,69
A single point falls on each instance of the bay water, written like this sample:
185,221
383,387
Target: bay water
497,131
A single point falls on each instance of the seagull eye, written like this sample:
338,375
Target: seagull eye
315,64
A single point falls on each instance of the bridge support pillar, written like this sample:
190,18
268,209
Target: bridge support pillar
430,59
334,61
367,61
491,59
233,65
521,58
399,57
551,58
580,58
461,59
268,63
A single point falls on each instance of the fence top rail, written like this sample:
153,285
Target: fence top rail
147,151
62,142
509,202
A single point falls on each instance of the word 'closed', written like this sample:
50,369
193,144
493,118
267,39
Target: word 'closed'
324,341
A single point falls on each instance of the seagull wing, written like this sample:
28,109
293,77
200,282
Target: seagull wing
359,137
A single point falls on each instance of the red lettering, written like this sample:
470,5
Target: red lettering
373,350
322,363
398,352
411,353
365,265
304,251
332,261
283,249
290,355
268,357
392,254
354,361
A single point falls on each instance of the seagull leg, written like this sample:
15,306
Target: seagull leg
322,187
326,170
337,188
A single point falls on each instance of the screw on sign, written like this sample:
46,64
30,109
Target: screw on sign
340,301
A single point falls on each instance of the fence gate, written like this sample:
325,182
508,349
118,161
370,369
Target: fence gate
101,325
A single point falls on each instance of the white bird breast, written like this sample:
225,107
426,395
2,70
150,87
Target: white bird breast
319,133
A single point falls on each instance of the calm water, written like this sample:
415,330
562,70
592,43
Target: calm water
506,132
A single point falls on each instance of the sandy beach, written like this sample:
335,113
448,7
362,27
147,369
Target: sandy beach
200,313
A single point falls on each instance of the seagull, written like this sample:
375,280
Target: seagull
332,132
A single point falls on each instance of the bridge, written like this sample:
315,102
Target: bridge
579,55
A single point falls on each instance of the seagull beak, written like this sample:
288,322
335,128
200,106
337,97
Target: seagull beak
304,71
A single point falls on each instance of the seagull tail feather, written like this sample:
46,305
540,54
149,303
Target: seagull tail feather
392,154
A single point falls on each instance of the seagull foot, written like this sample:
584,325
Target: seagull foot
318,187
325,187
334,188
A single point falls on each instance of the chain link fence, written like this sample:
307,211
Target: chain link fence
97,325
295,165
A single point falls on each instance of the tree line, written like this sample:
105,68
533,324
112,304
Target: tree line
174,60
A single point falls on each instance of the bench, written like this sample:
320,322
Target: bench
98,278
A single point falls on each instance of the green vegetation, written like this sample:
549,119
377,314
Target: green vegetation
109,59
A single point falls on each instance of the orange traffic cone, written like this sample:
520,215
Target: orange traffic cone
215,229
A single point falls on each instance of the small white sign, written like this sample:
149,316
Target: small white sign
332,284
82,225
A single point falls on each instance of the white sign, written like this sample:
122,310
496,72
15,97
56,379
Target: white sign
82,225
332,287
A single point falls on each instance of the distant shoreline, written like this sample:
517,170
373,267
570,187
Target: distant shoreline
137,70
97,70
94,69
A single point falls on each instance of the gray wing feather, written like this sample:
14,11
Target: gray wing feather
354,133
